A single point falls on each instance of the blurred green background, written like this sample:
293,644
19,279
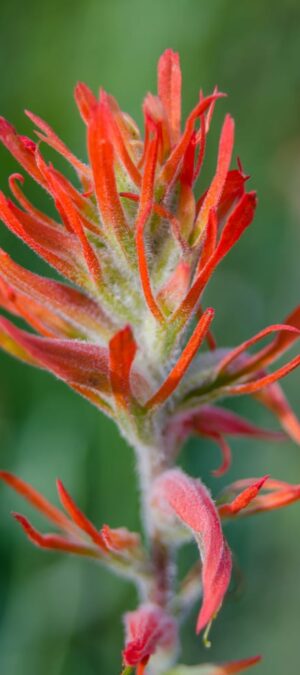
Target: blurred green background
59,615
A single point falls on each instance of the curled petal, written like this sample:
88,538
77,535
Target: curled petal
49,136
75,224
147,629
288,332
21,148
120,539
54,542
208,418
175,493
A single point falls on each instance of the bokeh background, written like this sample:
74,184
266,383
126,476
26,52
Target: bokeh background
60,615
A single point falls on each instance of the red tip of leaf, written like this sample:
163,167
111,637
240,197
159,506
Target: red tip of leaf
36,500
86,101
216,188
238,666
52,542
78,517
169,90
243,499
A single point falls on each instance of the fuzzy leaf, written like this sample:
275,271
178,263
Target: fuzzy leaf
176,494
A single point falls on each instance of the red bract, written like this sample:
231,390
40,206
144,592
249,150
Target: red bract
128,329
175,493
77,534
249,498
148,629
215,423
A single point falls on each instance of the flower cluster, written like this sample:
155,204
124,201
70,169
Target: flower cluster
136,249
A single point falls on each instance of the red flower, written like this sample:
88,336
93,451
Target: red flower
144,251
148,629
137,250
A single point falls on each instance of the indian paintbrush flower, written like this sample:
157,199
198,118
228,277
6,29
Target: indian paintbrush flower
137,249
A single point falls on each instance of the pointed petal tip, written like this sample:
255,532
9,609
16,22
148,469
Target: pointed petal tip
5,127
243,664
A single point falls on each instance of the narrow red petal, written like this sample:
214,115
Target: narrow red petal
16,178
122,351
210,240
274,399
115,132
172,165
201,139
53,542
144,213
169,90
263,381
280,494
243,499
217,185
238,221
78,517
73,218
37,500
166,214
86,101
277,500
238,666
180,368
209,419
102,161
287,334
226,454
21,149
49,136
